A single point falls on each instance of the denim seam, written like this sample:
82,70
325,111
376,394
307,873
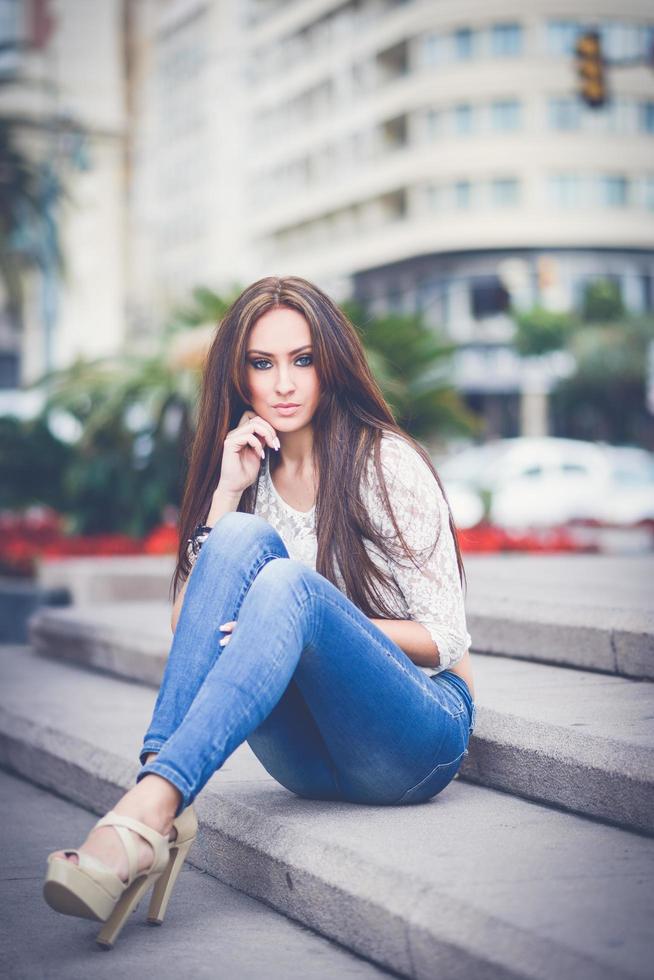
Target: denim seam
162,769
151,745
249,581
440,765
380,645
469,713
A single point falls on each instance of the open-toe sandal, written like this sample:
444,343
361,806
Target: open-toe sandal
186,825
91,890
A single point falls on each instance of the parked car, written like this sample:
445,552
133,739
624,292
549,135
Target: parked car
630,497
531,482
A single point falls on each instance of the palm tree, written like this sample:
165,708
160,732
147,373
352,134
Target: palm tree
28,233
411,362
137,413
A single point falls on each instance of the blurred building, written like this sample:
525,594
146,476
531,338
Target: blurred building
437,156
419,155
62,93
188,114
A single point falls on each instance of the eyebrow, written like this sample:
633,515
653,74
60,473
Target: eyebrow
267,354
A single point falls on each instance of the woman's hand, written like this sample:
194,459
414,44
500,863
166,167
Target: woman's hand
227,628
243,452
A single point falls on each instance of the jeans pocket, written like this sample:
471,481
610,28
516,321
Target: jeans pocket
433,782
473,720
454,704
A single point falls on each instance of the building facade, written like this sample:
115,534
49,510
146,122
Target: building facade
63,91
417,155
435,156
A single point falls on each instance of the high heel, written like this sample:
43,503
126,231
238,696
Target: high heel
91,890
187,827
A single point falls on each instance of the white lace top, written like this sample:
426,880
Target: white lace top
432,594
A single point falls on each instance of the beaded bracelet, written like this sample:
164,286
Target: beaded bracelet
196,541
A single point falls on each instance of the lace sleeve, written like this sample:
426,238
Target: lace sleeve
432,591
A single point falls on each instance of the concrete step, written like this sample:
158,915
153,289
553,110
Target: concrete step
575,739
588,611
207,922
476,883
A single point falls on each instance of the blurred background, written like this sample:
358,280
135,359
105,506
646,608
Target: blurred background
472,182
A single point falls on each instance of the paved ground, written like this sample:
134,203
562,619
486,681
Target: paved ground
210,930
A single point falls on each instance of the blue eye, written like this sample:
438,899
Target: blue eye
264,360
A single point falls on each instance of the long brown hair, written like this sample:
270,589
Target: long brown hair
348,424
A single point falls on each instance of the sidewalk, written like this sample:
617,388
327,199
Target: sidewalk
210,930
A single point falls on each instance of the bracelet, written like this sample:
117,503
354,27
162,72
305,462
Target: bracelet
196,541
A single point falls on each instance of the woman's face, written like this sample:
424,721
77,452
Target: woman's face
280,369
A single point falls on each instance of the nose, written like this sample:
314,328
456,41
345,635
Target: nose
284,384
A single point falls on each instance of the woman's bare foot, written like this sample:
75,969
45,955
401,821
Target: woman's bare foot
154,801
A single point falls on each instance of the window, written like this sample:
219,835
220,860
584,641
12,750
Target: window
488,297
434,49
505,115
434,123
433,197
463,43
504,191
506,39
463,119
462,194
613,190
622,116
565,190
648,192
646,118
10,31
9,369
620,40
562,36
564,113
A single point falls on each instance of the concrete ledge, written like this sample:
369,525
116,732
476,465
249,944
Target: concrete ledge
587,611
567,738
111,578
614,641
474,884
128,639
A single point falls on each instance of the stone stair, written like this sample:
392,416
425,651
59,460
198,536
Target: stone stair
536,861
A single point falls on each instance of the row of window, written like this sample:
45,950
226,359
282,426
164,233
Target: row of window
507,39
629,116
625,116
620,39
565,190
360,79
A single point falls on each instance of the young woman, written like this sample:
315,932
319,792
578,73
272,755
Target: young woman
321,616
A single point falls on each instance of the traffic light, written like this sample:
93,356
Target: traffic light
590,69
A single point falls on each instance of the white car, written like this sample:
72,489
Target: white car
540,482
630,499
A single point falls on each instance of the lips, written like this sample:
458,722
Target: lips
287,405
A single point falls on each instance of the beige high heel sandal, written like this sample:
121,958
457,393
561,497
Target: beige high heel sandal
91,891
187,827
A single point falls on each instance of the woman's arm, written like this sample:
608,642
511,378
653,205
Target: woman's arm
413,638
177,607
221,503
432,591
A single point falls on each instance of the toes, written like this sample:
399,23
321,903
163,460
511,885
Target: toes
66,857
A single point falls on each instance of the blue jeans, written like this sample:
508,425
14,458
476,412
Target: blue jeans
331,707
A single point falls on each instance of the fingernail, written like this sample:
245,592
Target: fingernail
277,444
224,641
263,455
222,626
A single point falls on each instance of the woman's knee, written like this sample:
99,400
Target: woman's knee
286,580
237,531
